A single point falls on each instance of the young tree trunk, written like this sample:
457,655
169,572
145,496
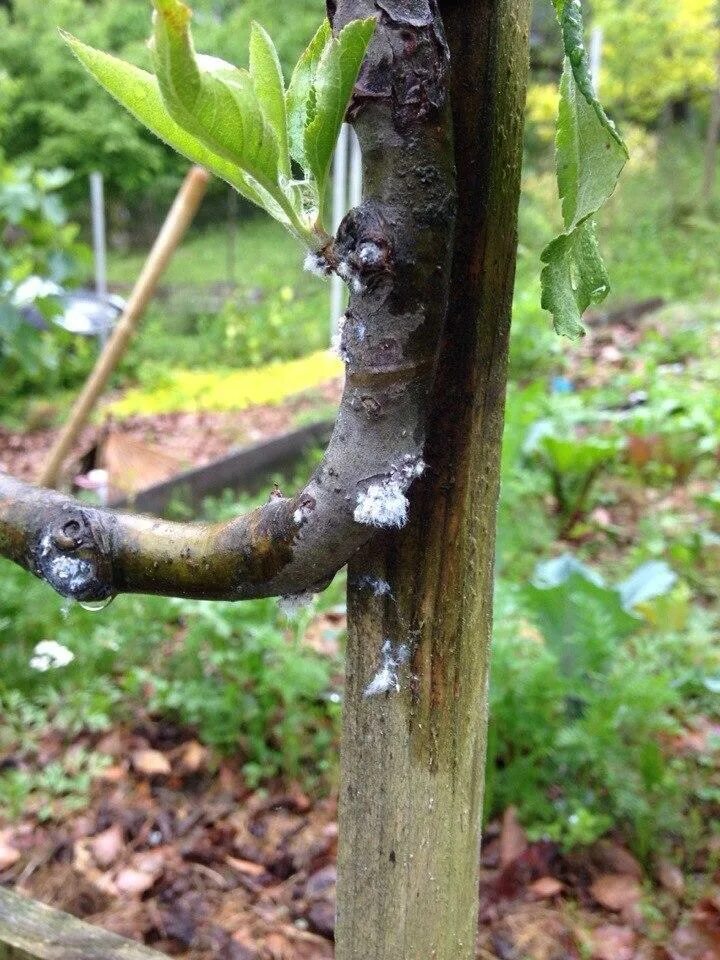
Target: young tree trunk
420,603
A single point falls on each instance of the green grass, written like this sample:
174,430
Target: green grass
266,256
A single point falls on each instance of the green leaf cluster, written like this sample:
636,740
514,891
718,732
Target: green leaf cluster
590,156
243,124
38,242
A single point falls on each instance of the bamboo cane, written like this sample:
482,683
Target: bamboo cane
176,223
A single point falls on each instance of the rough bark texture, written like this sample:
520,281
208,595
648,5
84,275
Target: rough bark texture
394,252
412,760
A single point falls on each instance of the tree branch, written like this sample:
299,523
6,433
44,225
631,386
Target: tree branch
393,251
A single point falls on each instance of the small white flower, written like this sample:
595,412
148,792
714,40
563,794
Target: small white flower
50,655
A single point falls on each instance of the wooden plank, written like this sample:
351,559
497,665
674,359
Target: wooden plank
241,470
31,931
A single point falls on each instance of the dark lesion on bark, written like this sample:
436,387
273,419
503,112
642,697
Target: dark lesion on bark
393,251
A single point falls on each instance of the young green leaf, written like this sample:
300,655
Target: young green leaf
574,276
138,92
590,157
269,85
211,98
335,77
299,99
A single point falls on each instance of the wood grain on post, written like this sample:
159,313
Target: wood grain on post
178,219
32,931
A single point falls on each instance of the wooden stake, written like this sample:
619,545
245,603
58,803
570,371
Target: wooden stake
178,219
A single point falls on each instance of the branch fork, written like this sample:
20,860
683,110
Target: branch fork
393,251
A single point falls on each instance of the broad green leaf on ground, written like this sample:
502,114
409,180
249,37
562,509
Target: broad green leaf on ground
269,85
299,95
211,98
335,77
590,157
139,93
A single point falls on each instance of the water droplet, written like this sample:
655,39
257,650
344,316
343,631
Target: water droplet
95,605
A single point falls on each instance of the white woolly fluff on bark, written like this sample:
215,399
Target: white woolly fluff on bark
386,680
301,515
317,265
292,604
382,505
72,572
336,344
379,588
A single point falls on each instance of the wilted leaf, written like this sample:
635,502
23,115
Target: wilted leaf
611,857
248,867
590,156
194,757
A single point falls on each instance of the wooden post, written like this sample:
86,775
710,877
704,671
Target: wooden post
32,931
178,219
413,758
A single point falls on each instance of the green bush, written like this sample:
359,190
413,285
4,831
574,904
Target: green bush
37,241
584,694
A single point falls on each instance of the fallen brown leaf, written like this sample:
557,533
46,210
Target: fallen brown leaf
612,857
545,888
670,877
246,866
611,942
107,846
513,840
134,882
151,763
617,892
193,757
9,856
